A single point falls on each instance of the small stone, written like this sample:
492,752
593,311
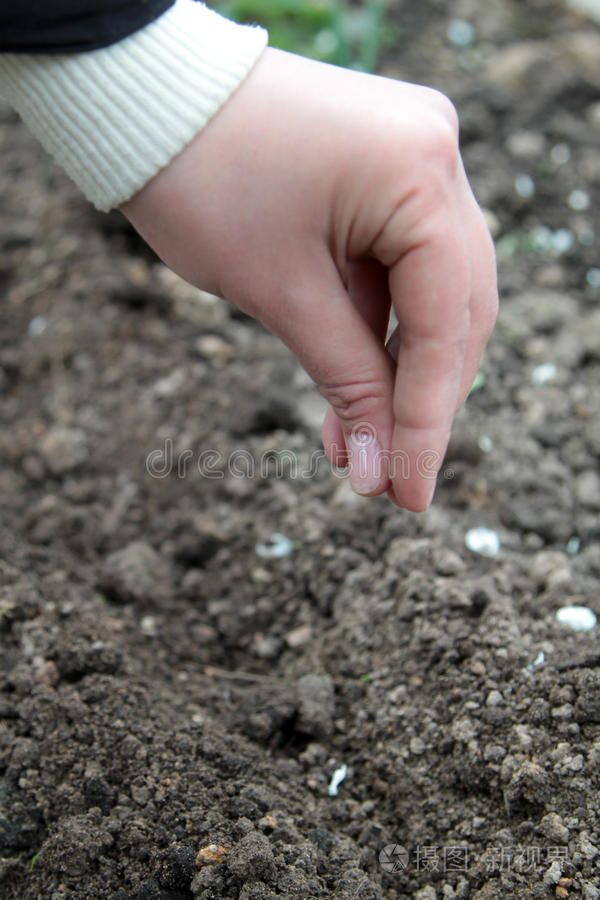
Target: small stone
587,488
553,828
417,746
135,574
553,873
494,753
297,637
590,892
426,893
589,850
447,562
563,713
63,449
561,892
526,144
494,698
210,855
212,346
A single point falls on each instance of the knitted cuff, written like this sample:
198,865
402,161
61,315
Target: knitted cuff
112,118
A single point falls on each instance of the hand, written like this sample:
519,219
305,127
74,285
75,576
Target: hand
315,200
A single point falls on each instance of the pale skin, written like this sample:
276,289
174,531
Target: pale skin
315,200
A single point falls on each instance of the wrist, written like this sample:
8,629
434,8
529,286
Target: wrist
113,118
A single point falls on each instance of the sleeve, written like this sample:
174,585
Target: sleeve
70,26
113,117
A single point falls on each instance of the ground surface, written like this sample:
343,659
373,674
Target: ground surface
164,688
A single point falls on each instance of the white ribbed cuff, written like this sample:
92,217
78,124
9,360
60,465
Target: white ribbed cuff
112,118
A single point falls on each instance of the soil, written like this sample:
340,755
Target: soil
174,701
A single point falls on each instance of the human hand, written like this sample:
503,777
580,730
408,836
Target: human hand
315,200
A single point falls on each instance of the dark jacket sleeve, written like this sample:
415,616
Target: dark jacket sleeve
72,26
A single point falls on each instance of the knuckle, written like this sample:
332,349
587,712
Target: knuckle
441,134
353,402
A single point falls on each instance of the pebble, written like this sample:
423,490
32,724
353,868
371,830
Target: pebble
135,574
63,449
494,698
526,144
563,712
589,850
417,746
298,637
553,873
494,753
426,893
587,489
447,562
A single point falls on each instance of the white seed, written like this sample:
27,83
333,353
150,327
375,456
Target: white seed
579,618
483,541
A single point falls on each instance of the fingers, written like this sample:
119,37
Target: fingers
431,293
368,289
338,348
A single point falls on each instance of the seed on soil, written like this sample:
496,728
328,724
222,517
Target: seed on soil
593,277
336,779
485,443
37,325
210,855
579,618
279,545
540,658
543,373
482,540
560,154
461,33
579,200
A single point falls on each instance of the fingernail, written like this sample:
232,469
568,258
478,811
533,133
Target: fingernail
365,461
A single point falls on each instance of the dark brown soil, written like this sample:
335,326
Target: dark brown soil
165,689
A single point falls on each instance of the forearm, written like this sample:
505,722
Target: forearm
113,117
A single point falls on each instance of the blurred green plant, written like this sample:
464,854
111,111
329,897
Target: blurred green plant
330,30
